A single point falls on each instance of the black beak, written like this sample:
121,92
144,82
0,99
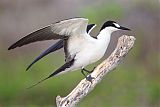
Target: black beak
123,28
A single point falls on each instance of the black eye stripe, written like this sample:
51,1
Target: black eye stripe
108,24
114,25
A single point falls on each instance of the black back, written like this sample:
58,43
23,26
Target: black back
89,27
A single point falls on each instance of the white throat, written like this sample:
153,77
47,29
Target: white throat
104,34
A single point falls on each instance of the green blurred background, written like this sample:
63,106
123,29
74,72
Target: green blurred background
135,83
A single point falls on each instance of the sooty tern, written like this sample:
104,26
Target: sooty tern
80,48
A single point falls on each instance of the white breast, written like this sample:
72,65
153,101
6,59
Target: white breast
88,50
91,51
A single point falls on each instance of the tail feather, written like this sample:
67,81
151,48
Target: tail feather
61,69
37,83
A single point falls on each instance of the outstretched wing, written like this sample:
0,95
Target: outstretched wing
61,69
56,46
54,31
52,48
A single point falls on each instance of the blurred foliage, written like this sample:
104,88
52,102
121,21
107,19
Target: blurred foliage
135,83
111,11
128,85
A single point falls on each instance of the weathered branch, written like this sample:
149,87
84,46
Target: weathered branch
125,43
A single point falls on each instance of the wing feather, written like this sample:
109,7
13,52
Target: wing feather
54,31
56,46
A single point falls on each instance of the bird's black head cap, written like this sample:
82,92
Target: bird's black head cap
108,24
113,24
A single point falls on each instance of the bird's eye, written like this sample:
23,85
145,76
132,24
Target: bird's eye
116,25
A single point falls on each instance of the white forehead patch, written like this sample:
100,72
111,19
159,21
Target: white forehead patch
117,25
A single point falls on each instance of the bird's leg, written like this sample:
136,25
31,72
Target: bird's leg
88,70
82,71
89,78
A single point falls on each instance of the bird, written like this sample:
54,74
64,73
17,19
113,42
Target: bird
73,36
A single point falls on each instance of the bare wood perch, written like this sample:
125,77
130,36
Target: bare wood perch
125,43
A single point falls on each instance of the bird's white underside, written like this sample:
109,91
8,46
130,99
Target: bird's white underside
87,49
84,48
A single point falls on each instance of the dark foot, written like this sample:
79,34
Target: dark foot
89,78
88,71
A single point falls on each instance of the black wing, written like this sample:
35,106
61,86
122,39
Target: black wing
39,35
90,27
56,46
61,69
54,31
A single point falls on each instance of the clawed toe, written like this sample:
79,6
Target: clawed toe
89,78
